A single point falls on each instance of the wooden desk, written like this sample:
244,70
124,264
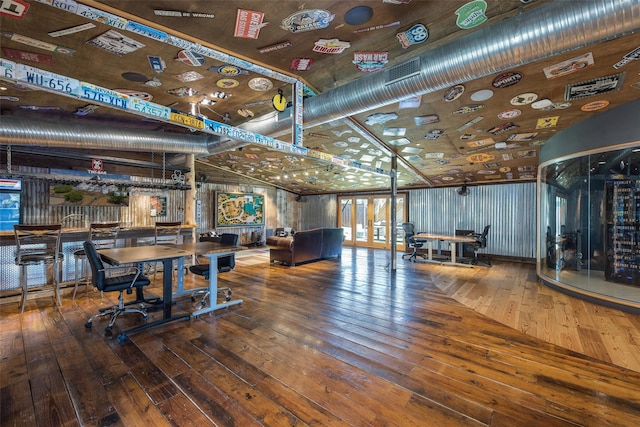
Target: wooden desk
429,238
213,251
141,254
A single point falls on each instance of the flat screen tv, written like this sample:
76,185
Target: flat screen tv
10,201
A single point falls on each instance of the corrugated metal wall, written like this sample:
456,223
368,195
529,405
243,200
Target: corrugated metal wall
509,208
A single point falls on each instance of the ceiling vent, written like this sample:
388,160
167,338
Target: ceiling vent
403,71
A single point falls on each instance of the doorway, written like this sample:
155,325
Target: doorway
366,220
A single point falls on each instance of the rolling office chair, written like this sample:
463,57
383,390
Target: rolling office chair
225,263
103,235
38,245
480,243
409,232
119,284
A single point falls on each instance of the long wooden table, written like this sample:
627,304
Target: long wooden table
454,240
155,253
211,250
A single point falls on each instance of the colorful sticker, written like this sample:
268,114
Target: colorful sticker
547,122
190,58
189,76
23,55
330,46
593,87
524,98
507,79
509,114
506,127
260,84
307,20
274,47
300,64
38,43
631,56
182,91
453,93
433,134
227,83
481,143
248,24
594,106
370,61
569,66
228,70
156,63
426,120
471,14
14,8
414,35
467,109
480,158
114,42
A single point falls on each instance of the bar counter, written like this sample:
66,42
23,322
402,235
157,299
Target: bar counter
72,239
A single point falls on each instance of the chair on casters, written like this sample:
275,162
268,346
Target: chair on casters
480,243
38,245
119,284
225,263
409,232
103,235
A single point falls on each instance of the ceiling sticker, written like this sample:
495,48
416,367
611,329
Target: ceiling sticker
522,137
470,123
300,64
340,144
23,55
114,42
524,98
40,108
307,20
557,106
354,139
426,120
339,133
189,76
412,102
547,122
399,141
190,58
274,47
433,134
466,136
487,172
380,118
435,156
179,14
358,15
227,83
260,84
369,62
248,24
593,87
482,95
411,150
414,35
541,104
37,43
245,113
135,94
228,70
527,154
72,30
376,27
467,109
330,46
480,158
487,142
394,131
497,130
507,79
156,63
14,8
154,82
631,56
471,14
509,114
453,93
87,109
182,91
569,66
594,106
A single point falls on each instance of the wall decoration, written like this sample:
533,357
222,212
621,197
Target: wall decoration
260,84
471,14
330,46
157,206
370,61
114,42
524,98
300,64
426,120
24,55
507,79
307,20
541,104
453,93
16,9
72,30
376,27
482,95
156,63
593,87
414,35
547,122
38,43
179,14
190,58
239,210
595,105
189,76
509,114
182,91
248,24
274,47
90,193
631,56
569,66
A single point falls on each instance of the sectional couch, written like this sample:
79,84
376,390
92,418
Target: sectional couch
306,245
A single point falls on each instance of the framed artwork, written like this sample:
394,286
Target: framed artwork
158,206
239,210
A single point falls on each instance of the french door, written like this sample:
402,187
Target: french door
366,220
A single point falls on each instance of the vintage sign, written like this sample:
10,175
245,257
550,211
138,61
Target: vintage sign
300,64
307,20
14,8
114,42
331,46
414,35
453,93
370,61
248,24
190,58
507,79
23,55
634,55
471,14
569,66
593,87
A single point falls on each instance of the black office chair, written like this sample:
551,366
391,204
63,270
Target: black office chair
225,263
480,243
119,284
409,232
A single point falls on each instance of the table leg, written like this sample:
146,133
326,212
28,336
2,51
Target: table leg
213,287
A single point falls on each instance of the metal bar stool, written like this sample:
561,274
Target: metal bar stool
102,235
38,245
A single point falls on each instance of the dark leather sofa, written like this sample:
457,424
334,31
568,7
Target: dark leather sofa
306,245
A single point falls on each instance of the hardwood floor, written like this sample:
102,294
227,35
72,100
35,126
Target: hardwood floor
335,342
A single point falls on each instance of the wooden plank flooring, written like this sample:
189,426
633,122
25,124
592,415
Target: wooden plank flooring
335,342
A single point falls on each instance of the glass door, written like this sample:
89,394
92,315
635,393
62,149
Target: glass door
366,220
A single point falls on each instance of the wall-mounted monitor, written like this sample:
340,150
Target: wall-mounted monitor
10,201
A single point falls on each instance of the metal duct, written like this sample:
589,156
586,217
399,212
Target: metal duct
545,31
22,131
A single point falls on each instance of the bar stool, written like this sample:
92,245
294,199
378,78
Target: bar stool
102,235
38,245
